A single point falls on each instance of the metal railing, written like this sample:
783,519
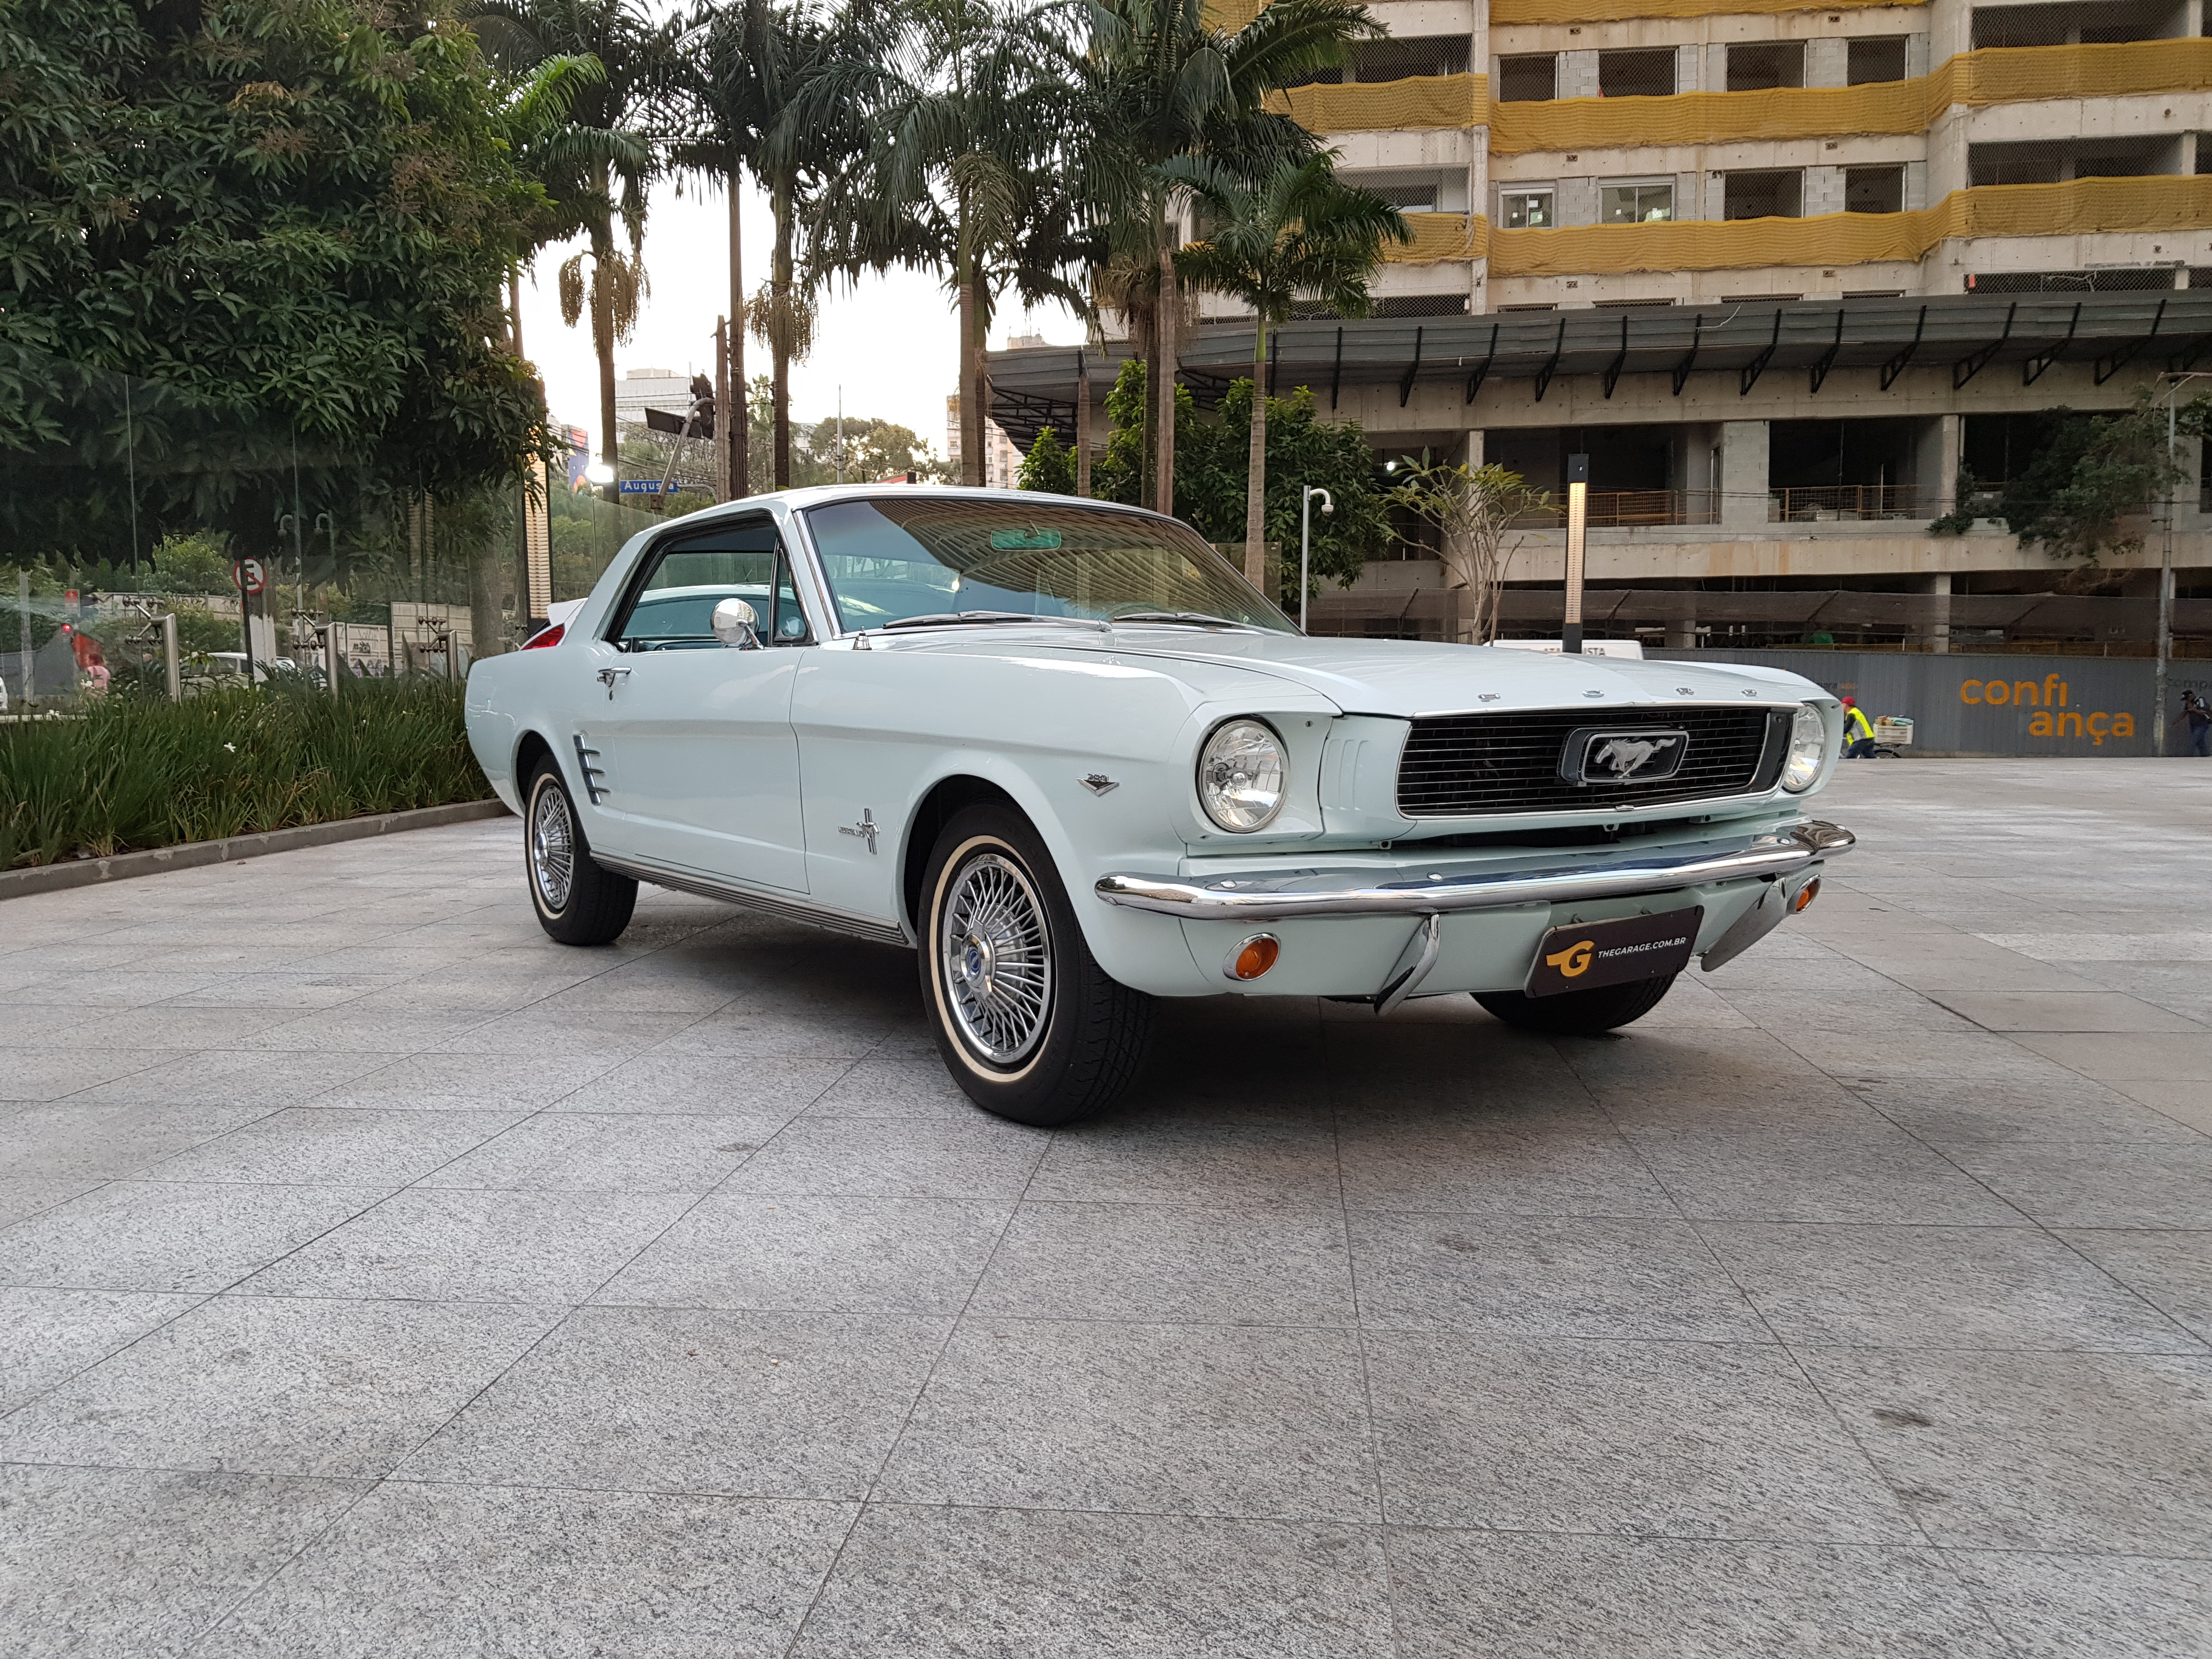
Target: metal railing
1829,503
1622,509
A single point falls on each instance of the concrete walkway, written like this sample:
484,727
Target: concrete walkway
383,1279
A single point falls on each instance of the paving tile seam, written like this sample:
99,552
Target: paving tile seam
1939,1148
914,1403
1913,1513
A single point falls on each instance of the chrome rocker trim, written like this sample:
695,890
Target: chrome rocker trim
1342,893
790,909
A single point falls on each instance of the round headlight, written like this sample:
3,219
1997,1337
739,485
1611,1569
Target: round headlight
1241,772
1808,746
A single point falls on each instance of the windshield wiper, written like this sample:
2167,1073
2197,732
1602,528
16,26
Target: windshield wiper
954,618
1190,619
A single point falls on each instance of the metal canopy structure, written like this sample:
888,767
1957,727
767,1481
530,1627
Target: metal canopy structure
2095,618
1963,334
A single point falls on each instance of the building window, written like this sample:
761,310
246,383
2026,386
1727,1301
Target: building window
1634,203
1758,65
1525,209
1527,80
2077,23
1878,59
1873,189
1640,74
1419,197
1402,60
1763,196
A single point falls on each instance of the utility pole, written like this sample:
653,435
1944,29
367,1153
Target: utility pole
724,410
2165,583
1082,423
841,433
23,623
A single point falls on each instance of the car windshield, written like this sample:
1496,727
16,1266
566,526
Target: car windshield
920,555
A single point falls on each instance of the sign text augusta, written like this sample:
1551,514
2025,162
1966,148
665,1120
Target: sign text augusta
1994,704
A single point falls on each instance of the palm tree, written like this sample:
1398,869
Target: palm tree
1160,82
965,172
603,183
1301,232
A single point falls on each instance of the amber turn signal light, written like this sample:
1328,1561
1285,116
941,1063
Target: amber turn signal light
1806,895
1254,956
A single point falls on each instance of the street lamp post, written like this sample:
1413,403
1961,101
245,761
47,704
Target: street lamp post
1571,629
1305,540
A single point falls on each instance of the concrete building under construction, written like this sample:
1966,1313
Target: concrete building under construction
1780,271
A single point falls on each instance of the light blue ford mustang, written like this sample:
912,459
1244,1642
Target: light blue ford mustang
1066,752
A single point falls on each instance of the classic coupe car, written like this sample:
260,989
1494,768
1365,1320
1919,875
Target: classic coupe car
1064,751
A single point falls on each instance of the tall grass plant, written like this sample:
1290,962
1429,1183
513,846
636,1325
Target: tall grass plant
130,773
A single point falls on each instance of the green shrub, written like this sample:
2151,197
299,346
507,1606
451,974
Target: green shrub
135,774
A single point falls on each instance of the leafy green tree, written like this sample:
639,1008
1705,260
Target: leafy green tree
1050,465
239,238
1212,472
2090,473
1301,232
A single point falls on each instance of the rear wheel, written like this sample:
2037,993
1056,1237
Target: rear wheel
1029,1026
1578,1014
576,900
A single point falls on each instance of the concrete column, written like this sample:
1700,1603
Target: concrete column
1824,191
1689,69
1473,456
1950,29
1574,200
1828,61
1936,451
1915,185
1682,634
1915,56
1743,474
1716,73
1938,632
1578,75
2193,16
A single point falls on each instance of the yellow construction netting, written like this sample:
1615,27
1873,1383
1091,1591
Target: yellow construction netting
1503,12
1420,100
1438,236
2011,75
2085,207
1233,14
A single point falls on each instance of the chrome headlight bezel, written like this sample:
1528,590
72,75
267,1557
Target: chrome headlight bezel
1256,738
1807,758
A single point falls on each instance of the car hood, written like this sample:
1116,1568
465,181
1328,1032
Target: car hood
1405,679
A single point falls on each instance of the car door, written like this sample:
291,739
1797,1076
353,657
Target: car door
691,738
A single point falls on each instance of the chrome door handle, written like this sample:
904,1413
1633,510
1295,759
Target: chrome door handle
608,676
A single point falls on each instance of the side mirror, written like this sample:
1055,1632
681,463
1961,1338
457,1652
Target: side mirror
736,623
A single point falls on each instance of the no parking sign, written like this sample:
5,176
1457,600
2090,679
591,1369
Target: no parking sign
250,576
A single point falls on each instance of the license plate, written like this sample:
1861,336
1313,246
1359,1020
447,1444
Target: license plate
1597,953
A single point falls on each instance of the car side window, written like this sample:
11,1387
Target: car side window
672,608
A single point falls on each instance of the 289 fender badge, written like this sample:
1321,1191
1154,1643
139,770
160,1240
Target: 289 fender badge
1099,784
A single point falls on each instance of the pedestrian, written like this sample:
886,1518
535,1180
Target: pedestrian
1859,731
2198,719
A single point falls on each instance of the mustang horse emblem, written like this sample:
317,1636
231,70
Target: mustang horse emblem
1625,757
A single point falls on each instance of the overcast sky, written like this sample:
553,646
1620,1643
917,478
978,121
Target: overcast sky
891,342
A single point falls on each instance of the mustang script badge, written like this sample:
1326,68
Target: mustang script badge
1594,755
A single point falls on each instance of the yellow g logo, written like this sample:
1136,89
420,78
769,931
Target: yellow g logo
1572,960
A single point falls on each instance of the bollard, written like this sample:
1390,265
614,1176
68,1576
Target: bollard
333,658
173,664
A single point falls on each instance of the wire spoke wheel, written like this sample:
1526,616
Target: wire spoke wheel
552,848
997,958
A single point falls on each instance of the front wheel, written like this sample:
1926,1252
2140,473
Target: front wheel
1578,1014
1031,1027
577,902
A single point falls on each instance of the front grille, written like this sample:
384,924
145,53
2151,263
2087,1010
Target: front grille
1464,765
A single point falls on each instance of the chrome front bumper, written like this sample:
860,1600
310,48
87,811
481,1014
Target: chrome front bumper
1312,892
